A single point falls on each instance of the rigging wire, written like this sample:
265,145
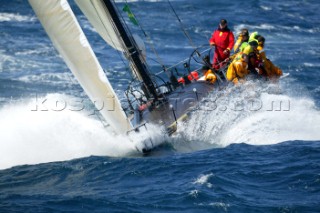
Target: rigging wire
134,44
128,29
153,79
159,60
182,26
112,41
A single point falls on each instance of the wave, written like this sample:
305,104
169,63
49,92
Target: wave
50,78
275,28
7,17
41,58
266,8
252,114
313,65
300,121
33,134
204,180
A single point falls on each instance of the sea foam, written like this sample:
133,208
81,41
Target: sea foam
33,133
252,115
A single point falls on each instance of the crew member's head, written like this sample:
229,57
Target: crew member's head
244,34
261,40
253,44
223,23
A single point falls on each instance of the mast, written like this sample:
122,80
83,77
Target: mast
133,53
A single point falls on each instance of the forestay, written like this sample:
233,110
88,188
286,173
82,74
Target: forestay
67,36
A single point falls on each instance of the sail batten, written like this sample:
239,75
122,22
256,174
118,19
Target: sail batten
67,36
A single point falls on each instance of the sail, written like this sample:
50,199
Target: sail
67,36
101,20
104,18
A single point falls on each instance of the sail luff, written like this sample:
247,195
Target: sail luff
132,51
103,15
67,36
101,21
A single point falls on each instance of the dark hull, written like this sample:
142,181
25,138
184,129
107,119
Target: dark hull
178,105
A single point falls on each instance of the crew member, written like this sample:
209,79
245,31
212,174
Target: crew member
271,71
209,76
223,40
242,40
238,69
251,52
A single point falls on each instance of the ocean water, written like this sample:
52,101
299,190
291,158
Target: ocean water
261,156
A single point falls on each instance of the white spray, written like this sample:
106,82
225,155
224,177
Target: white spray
253,114
35,132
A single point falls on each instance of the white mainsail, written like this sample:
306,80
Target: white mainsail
67,36
100,19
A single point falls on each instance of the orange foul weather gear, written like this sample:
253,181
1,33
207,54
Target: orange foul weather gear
194,75
223,40
271,70
210,77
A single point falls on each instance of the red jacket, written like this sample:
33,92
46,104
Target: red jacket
223,39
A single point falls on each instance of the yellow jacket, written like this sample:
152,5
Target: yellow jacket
248,49
238,43
237,70
252,36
